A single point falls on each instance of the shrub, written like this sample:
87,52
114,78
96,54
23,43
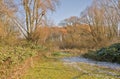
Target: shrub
12,56
110,54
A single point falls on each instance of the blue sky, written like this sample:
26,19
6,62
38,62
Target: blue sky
68,8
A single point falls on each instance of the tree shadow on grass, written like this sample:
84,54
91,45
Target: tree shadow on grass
78,76
51,68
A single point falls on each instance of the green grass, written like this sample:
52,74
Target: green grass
61,54
60,70
50,70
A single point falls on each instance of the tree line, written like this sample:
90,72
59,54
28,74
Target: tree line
97,25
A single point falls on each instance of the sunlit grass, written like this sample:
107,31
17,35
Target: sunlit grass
60,70
51,70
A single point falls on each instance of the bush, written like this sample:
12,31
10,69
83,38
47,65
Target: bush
15,54
110,54
11,57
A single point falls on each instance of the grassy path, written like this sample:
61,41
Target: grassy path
65,70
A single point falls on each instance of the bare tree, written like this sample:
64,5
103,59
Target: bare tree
33,11
7,26
112,15
27,14
71,21
103,19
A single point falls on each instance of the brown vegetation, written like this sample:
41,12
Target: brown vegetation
24,24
